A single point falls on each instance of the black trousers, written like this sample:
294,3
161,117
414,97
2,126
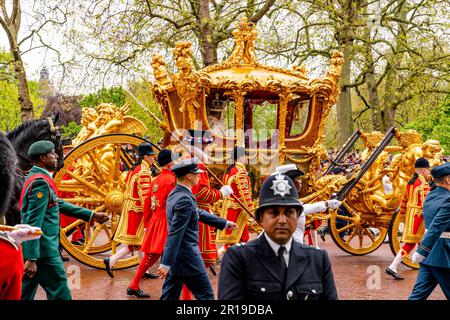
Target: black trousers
199,285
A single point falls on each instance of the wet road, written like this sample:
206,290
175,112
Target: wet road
356,277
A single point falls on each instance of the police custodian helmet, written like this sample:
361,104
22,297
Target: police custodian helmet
278,190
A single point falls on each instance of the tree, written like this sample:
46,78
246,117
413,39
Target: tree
11,25
42,15
118,37
10,109
435,125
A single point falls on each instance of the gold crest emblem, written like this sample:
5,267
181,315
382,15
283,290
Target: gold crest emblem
155,187
155,203
39,195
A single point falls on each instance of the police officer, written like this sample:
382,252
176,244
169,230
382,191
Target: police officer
433,252
181,261
295,174
40,207
275,266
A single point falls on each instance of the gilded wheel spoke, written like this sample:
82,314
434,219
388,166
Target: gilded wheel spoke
345,228
350,237
346,218
72,225
361,238
97,168
94,236
116,166
87,231
367,231
108,233
89,200
100,208
87,184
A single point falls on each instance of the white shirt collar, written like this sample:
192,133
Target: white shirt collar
275,246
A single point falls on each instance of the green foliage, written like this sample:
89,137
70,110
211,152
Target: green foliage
142,92
10,116
264,120
71,130
118,96
115,95
435,125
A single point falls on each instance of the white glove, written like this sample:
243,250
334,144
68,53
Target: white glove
417,257
226,191
334,204
24,233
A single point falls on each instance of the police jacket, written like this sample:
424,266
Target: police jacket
435,245
181,252
251,272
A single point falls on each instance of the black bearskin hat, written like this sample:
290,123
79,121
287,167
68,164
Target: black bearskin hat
8,163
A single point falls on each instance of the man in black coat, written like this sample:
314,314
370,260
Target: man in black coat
181,262
275,266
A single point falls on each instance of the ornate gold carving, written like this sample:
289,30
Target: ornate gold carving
190,84
88,120
244,38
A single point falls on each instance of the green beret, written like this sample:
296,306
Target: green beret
40,147
441,171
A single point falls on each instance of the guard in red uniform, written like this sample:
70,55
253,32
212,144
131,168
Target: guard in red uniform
155,220
412,206
130,230
237,177
205,194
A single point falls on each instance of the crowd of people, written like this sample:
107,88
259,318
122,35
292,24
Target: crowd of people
169,218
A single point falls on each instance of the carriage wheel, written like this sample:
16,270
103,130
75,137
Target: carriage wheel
99,186
354,234
395,238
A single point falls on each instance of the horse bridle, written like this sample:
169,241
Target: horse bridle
54,130
54,134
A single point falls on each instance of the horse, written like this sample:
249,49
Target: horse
21,138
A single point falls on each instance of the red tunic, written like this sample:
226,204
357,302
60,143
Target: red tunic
11,268
412,207
155,220
131,227
206,196
238,179
64,220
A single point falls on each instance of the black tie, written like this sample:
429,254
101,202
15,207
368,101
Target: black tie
281,260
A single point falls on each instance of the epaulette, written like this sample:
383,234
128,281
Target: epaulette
4,236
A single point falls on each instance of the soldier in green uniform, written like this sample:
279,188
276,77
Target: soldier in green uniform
40,207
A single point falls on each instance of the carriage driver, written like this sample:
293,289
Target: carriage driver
40,207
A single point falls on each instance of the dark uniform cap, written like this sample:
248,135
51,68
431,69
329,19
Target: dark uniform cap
145,148
441,171
198,136
278,190
40,147
422,163
165,156
186,166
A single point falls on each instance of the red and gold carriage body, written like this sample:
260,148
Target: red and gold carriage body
276,113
